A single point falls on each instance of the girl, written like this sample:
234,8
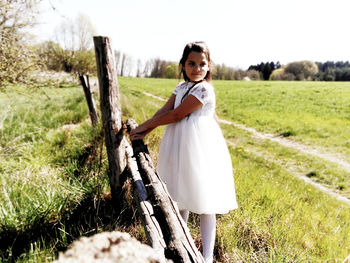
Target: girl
194,160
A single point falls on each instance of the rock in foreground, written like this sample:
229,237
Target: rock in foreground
108,247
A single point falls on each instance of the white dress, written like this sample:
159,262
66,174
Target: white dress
194,160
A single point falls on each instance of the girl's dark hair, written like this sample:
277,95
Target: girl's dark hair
198,46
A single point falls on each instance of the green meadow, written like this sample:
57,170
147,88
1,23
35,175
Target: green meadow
314,113
280,218
54,185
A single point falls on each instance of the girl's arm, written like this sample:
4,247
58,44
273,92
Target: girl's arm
166,115
169,105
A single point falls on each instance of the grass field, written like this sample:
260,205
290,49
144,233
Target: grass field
280,219
52,191
315,113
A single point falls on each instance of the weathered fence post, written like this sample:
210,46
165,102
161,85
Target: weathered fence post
89,100
111,113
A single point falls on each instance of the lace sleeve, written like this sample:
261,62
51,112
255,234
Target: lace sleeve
201,93
177,88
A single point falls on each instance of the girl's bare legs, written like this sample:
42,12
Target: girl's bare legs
208,229
184,214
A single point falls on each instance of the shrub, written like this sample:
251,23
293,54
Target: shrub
302,70
277,74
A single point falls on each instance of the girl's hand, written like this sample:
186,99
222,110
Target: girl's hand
137,136
139,129
139,132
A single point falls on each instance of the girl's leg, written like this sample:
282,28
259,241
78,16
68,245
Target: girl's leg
208,229
185,214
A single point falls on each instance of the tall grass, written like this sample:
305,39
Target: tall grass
47,171
25,166
281,218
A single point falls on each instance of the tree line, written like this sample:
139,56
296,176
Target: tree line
293,71
333,71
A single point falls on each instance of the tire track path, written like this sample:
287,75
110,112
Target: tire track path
282,141
298,175
295,145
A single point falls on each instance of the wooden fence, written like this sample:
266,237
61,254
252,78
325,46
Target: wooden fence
165,230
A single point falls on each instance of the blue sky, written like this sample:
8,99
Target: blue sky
238,32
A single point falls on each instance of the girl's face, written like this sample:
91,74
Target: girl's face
196,66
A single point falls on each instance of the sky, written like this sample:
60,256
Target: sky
238,33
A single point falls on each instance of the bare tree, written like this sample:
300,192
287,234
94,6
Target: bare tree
122,69
84,32
117,56
75,34
129,69
147,69
127,65
139,66
65,35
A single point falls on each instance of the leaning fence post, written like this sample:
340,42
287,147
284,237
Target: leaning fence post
111,112
89,100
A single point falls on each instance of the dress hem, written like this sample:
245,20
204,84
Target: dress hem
209,212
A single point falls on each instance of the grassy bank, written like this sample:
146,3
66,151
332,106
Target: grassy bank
48,173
